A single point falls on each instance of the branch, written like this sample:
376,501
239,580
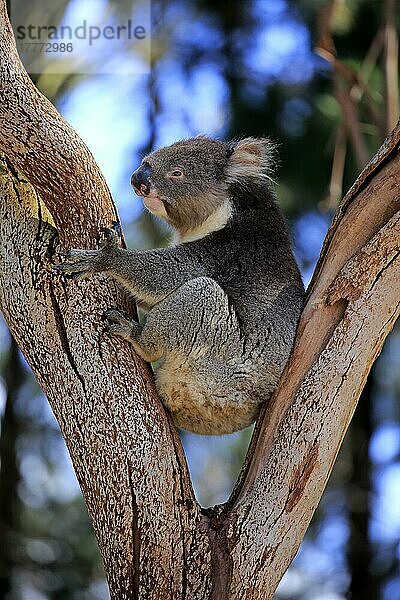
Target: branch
338,164
47,149
349,86
353,302
350,117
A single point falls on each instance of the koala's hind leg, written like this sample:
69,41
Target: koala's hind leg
196,320
204,378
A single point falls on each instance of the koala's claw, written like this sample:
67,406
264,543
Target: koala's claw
71,271
117,323
114,229
117,228
112,236
104,316
113,315
75,276
78,263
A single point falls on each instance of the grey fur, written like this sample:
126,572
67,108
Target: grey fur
224,302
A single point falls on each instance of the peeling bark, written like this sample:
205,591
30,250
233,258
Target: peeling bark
155,540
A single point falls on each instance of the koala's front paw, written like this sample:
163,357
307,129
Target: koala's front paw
112,236
121,325
78,263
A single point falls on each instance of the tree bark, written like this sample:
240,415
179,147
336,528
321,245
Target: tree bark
155,540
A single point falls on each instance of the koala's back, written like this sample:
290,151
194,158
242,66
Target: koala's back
252,260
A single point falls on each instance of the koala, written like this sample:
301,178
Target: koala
224,298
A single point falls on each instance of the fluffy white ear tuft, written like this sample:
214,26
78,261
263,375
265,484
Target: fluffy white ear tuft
251,158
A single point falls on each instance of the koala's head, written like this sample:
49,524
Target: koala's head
190,181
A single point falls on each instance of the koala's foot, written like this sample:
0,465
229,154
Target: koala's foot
130,330
121,325
79,263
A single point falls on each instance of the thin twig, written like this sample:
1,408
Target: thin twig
339,159
391,66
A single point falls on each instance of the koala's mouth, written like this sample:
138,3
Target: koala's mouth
154,203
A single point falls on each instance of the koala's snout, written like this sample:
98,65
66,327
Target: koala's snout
140,180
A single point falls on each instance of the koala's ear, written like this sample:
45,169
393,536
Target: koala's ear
250,158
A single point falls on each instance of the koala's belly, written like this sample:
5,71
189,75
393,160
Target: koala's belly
206,404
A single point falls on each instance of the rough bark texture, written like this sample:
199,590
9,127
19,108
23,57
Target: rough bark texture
155,540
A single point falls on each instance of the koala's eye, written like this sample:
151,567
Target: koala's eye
176,173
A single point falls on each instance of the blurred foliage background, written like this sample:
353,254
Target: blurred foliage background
319,77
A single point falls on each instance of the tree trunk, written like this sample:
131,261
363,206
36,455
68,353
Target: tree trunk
155,540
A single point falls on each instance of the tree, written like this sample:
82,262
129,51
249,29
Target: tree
154,538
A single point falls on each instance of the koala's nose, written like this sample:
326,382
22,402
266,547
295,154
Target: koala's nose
140,180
